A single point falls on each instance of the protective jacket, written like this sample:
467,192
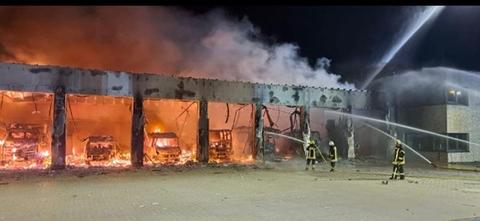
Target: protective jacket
311,152
399,158
333,153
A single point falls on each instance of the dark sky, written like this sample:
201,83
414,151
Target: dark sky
356,37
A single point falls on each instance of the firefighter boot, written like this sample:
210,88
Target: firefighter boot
332,170
402,177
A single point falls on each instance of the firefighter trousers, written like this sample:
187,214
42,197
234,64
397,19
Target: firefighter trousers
398,170
310,162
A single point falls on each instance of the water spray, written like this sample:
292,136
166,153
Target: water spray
404,144
429,14
400,125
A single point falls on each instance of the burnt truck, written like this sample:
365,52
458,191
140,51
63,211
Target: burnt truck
165,145
100,147
220,144
21,142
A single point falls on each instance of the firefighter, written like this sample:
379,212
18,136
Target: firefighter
333,155
398,161
311,154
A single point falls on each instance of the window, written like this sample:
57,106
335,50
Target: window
458,146
457,97
429,143
426,142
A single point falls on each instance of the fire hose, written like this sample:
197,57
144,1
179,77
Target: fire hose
295,139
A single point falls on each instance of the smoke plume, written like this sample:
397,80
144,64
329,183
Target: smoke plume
164,40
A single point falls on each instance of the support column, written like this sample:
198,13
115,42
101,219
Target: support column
350,135
138,124
350,139
305,125
203,129
58,133
259,145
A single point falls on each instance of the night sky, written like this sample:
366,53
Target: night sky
356,37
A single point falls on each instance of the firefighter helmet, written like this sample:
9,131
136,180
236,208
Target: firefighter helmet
398,142
331,143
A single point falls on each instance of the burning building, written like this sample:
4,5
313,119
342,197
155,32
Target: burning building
25,127
105,118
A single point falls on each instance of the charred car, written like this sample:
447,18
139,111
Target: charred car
100,148
165,145
21,142
220,144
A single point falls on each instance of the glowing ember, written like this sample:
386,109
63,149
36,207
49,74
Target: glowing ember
120,160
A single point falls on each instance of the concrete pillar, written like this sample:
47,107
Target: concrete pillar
305,125
259,145
350,135
58,132
203,129
138,124
350,138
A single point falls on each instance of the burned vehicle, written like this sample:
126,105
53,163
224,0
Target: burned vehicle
100,147
271,148
165,145
21,142
220,144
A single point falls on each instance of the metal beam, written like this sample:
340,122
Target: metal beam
58,133
203,128
138,123
259,145
35,78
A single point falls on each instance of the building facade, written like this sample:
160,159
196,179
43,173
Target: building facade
441,101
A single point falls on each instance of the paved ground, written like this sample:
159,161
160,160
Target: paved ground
355,192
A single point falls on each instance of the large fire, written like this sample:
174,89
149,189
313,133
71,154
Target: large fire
171,128
103,138
24,130
231,135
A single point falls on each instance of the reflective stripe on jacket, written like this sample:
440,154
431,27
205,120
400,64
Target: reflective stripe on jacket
311,152
333,154
399,158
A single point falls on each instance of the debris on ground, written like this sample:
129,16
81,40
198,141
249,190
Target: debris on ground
385,182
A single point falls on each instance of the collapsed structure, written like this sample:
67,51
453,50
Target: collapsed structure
109,118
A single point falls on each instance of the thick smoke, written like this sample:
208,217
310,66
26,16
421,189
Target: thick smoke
155,40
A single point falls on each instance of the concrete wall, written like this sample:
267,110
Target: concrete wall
446,119
432,118
463,119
